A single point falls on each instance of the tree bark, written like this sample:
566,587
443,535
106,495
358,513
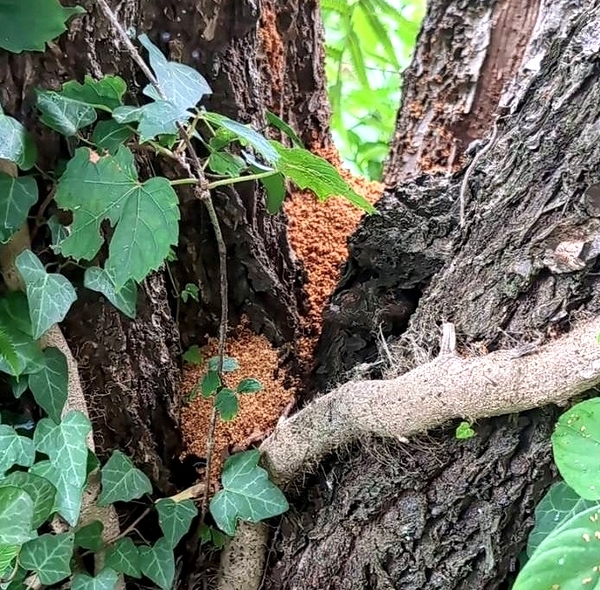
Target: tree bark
437,512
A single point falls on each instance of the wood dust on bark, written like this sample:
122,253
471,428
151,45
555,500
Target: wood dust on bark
318,234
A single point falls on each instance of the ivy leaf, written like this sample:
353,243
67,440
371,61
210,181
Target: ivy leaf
90,536
8,353
16,144
210,383
124,299
182,86
65,444
16,449
229,364
7,554
50,295
109,135
158,563
62,114
124,557
68,497
27,26
247,493
145,214
50,386
122,481
311,172
464,431
16,514
106,580
567,557
106,93
39,489
49,556
156,118
58,232
209,534
249,385
17,195
175,518
226,403
575,442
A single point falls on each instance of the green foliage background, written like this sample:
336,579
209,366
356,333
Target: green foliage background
368,44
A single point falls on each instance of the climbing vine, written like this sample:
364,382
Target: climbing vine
50,477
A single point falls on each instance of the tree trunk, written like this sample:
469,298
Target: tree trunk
437,512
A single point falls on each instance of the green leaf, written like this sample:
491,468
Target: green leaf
190,291
209,534
145,214
106,93
40,490
8,352
109,135
247,493
229,364
249,385
68,496
226,164
14,449
16,515
50,295
7,555
226,403
17,195
280,124
16,144
464,431
175,518
27,26
308,171
65,444
50,386
275,187
124,299
154,119
106,580
193,356
90,536
158,563
122,481
124,557
576,442
58,232
245,134
567,558
49,556
62,114
210,383
182,86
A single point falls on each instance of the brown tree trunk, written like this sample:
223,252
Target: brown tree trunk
437,512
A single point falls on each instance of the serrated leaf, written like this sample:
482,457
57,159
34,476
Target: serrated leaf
568,558
175,518
109,135
49,556
7,555
68,497
62,114
122,481
39,489
50,386
182,86
229,364
50,295
193,356
311,172
249,385
90,536
576,442
16,515
158,563
106,93
14,449
210,383
124,557
154,119
145,214
124,299
247,493
106,580
27,26
280,124
65,444
246,134
226,164
16,144
226,403
275,188
17,195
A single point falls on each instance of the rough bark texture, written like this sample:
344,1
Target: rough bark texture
438,513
